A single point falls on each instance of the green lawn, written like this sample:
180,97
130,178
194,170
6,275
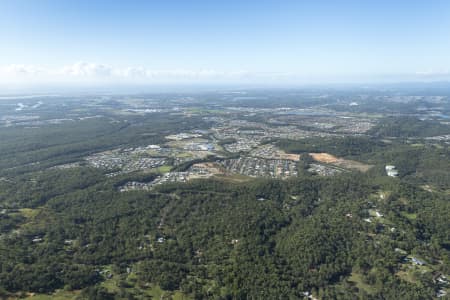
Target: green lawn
357,279
409,216
29,212
164,169
153,291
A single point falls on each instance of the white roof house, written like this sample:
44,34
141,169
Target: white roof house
391,171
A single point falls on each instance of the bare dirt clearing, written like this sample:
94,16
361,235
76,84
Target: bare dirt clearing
340,162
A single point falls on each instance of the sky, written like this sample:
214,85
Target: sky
89,42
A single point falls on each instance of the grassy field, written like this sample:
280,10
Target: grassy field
357,279
234,178
406,276
409,216
163,169
152,291
29,212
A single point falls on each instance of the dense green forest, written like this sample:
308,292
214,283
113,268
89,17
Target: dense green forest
214,238
68,233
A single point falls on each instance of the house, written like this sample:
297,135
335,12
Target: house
417,261
441,293
440,279
391,171
37,239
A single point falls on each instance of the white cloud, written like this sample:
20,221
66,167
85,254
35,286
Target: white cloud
83,69
20,70
84,72
88,73
432,72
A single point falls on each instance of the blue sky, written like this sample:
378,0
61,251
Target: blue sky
255,41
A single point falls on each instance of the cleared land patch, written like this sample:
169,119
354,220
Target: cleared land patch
340,162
